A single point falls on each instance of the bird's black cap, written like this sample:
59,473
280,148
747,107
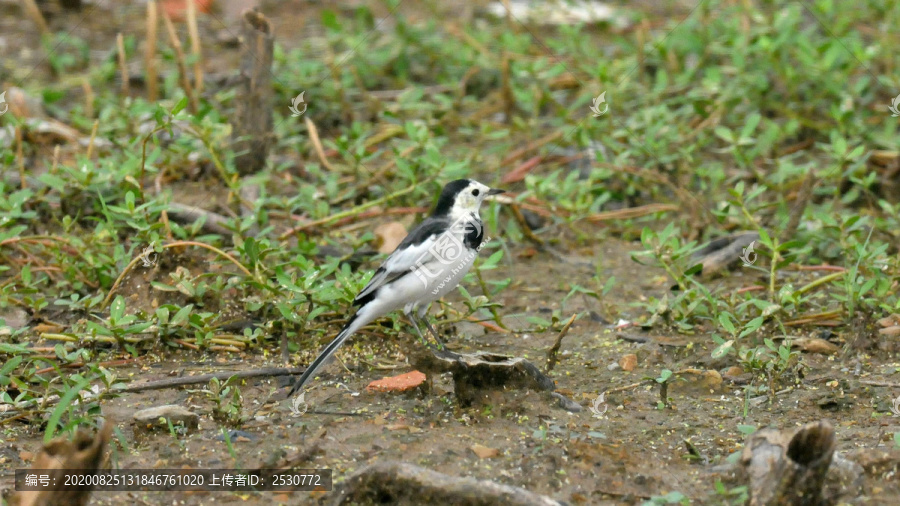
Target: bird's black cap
448,196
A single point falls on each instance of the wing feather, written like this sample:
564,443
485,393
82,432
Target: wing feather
412,249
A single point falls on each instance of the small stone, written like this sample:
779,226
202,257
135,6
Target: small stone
15,317
484,452
628,362
155,418
401,383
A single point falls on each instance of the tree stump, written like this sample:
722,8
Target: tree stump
473,372
796,468
252,135
84,452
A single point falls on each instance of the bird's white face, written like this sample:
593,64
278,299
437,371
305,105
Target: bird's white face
469,200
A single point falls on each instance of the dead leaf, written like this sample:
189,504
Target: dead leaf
815,345
388,236
519,173
484,452
889,321
890,331
403,426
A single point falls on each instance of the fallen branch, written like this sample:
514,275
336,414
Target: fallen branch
317,144
206,378
350,212
180,64
523,224
631,212
724,251
551,355
215,223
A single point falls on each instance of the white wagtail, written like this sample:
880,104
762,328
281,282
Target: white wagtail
428,264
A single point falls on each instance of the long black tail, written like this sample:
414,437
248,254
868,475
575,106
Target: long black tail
349,329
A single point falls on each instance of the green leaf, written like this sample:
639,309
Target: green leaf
694,270
251,249
746,429
492,260
10,365
287,311
64,402
117,309
725,320
724,134
329,19
664,376
162,315
14,349
182,315
163,287
179,106
752,326
138,327
723,349
610,283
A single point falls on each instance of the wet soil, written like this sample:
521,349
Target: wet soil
623,451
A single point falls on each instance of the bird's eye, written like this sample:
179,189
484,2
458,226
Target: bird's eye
475,192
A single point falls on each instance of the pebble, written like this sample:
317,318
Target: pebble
150,418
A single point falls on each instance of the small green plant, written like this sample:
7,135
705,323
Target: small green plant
736,496
670,498
663,381
227,401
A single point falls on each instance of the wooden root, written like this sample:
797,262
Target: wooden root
478,371
405,484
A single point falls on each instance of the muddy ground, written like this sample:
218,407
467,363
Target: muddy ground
630,451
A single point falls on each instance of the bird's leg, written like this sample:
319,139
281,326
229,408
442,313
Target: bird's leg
434,333
422,314
412,319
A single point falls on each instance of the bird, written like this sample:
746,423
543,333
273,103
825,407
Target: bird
430,262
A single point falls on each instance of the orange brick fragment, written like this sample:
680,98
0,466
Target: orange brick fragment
401,383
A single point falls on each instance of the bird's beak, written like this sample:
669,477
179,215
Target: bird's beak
495,191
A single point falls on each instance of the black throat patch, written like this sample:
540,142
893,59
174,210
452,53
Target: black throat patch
474,232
